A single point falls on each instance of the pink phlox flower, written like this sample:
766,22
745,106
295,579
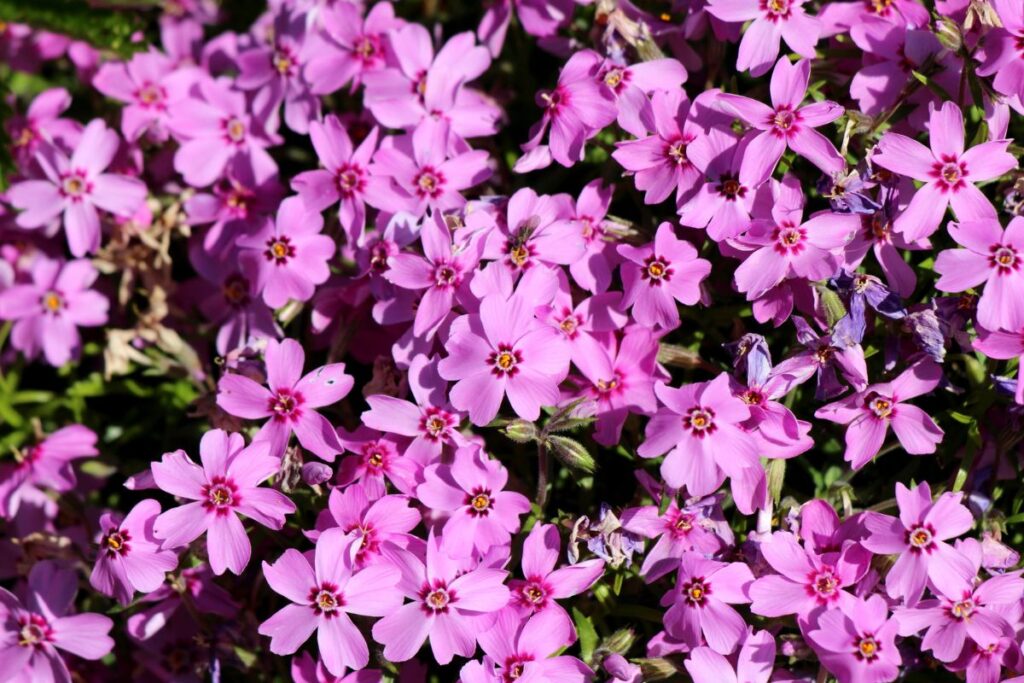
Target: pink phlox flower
893,52
482,514
692,527
430,420
290,401
77,186
593,270
919,537
33,630
700,429
48,311
541,19
584,325
1002,55
1004,345
288,256
947,171
754,665
772,21
168,604
855,641
226,485
725,198
450,606
821,357
129,557
47,464
42,123
805,581
378,458
632,84
305,669
700,603
786,123
388,519
526,649
870,412
658,275
822,531
323,594
350,45
843,17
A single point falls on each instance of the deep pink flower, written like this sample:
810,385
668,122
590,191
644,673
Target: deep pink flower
450,605
725,199
772,21
504,350
786,123
129,557
290,401
755,663
378,459
77,186
991,257
46,464
225,486
323,594
806,581
700,603
472,490
527,650
593,270
894,53
632,84
699,428
350,46
32,632
48,312
40,124
542,584
947,171
919,537
856,641
1003,56
870,412
658,275
1004,345
388,519
678,530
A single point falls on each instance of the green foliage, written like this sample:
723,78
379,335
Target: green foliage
106,29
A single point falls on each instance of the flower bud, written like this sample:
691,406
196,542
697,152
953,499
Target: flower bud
572,453
658,669
620,641
521,431
314,473
949,34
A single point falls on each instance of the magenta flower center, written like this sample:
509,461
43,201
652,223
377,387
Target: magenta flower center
656,270
379,255
34,631
220,495
606,387
437,597
682,525
879,7
447,275
921,537
480,502
880,406
824,584
284,61
236,290
279,250
866,647
775,10
234,130
617,78
514,667
696,592
699,421
785,120
505,361
151,96
533,593
555,100
326,600
75,185
949,173
753,397
350,179
790,240
435,423
962,609
676,153
53,303
285,405
429,182
116,543
1004,259
730,188
366,48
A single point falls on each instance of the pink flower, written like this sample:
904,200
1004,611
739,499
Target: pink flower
919,538
963,611
755,664
1002,53
430,421
786,123
45,464
471,490
48,312
323,594
1004,345
699,428
450,605
542,584
700,603
350,46
871,411
578,107
41,124
947,171
526,650
150,87
504,350
856,641
225,486
806,581
31,633
658,275
378,459
129,557
725,199
678,531
993,257
631,84
290,401
773,21
287,258
77,187
344,178
373,523
593,270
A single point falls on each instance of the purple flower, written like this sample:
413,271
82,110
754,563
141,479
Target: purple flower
947,171
46,464
593,270
856,641
225,486
725,199
772,21
658,275
48,312
77,187
528,650
350,45
1002,53
32,632
870,412
129,558
755,664
631,84
231,300
323,594
287,258
821,357
678,530
919,537
1004,345
290,401
786,123
504,350
700,603
449,605
471,490
41,124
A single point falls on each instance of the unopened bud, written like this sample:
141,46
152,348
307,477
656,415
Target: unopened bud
658,669
314,473
572,453
620,641
949,34
521,431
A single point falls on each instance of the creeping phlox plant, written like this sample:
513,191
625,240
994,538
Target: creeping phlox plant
547,341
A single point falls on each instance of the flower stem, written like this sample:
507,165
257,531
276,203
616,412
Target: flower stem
543,474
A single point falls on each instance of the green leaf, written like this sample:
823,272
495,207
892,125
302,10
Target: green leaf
586,632
105,29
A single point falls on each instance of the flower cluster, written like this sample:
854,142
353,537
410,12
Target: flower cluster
463,413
